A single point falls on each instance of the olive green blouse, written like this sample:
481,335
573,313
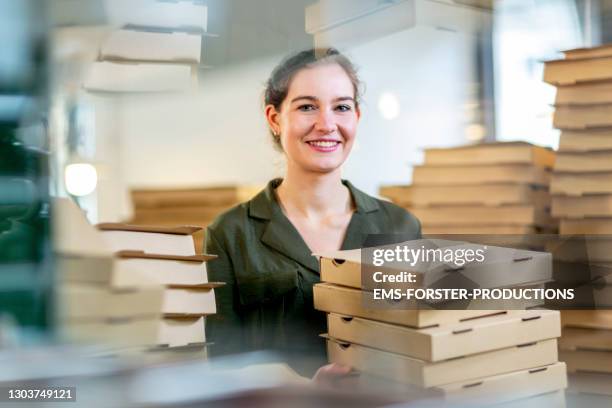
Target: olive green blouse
267,303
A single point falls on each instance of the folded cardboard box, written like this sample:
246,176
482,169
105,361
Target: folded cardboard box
349,302
152,46
579,184
150,239
491,153
192,197
198,215
176,332
592,93
589,52
120,333
186,15
583,117
486,194
585,141
584,162
582,226
598,361
480,174
449,341
576,338
426,374
574,71
596,205
595,319
190,300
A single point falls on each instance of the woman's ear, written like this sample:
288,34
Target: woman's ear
358,112
273,118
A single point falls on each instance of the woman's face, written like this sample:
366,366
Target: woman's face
318,118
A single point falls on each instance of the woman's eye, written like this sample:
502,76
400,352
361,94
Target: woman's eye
343,108
306,108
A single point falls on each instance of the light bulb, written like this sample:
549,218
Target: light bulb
80,178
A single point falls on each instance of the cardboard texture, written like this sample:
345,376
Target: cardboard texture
196,300
174,241
152,46
483,215
450,341
117,333
584,162
484,174
574,184
575,338
584,94
574,71
505,267
84,302
192,197
400,195
592,52
585,141
179,215
487,194
426,374
491,153
593,226
581,207
175,332
583,117
161,271
105,76
596,319
590,383
587,360
347,301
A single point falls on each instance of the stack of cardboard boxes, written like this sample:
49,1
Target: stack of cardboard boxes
130,287
491,188
192,206
460,356
582,199
157,48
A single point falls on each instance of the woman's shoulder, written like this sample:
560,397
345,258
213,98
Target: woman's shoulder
399,216
230,220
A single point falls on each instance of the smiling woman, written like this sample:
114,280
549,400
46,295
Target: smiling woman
265,245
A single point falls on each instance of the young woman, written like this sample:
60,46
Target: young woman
265,245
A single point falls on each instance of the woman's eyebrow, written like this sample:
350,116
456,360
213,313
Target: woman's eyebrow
315,99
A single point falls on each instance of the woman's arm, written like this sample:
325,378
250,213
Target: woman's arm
224,328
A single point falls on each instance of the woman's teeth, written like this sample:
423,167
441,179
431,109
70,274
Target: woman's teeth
323,143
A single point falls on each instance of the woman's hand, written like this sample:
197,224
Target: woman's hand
328,375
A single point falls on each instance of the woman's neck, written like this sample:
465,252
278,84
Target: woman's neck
314,195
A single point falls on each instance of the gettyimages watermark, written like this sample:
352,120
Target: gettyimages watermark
487,272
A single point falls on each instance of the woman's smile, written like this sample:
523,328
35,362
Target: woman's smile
324,145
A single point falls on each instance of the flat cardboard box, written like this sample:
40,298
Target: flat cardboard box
120,333
133,77
78,302
587,360
487,194
491,153
580,184
186,15
589,52
84,269
426,374
192,197
400,195
154,240
594,319
346,301
468,215
599,205
584,162
583,117
152,46
590,383
176,332
483,174
576,338
584,94
585,141
497,389
190,300
451,341
503,267
200,215
161,269
574,71
592,226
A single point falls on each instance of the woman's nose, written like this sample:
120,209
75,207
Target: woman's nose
325,122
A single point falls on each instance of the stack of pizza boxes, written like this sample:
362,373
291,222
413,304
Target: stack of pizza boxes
468,354
487,189
582,199
129,288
